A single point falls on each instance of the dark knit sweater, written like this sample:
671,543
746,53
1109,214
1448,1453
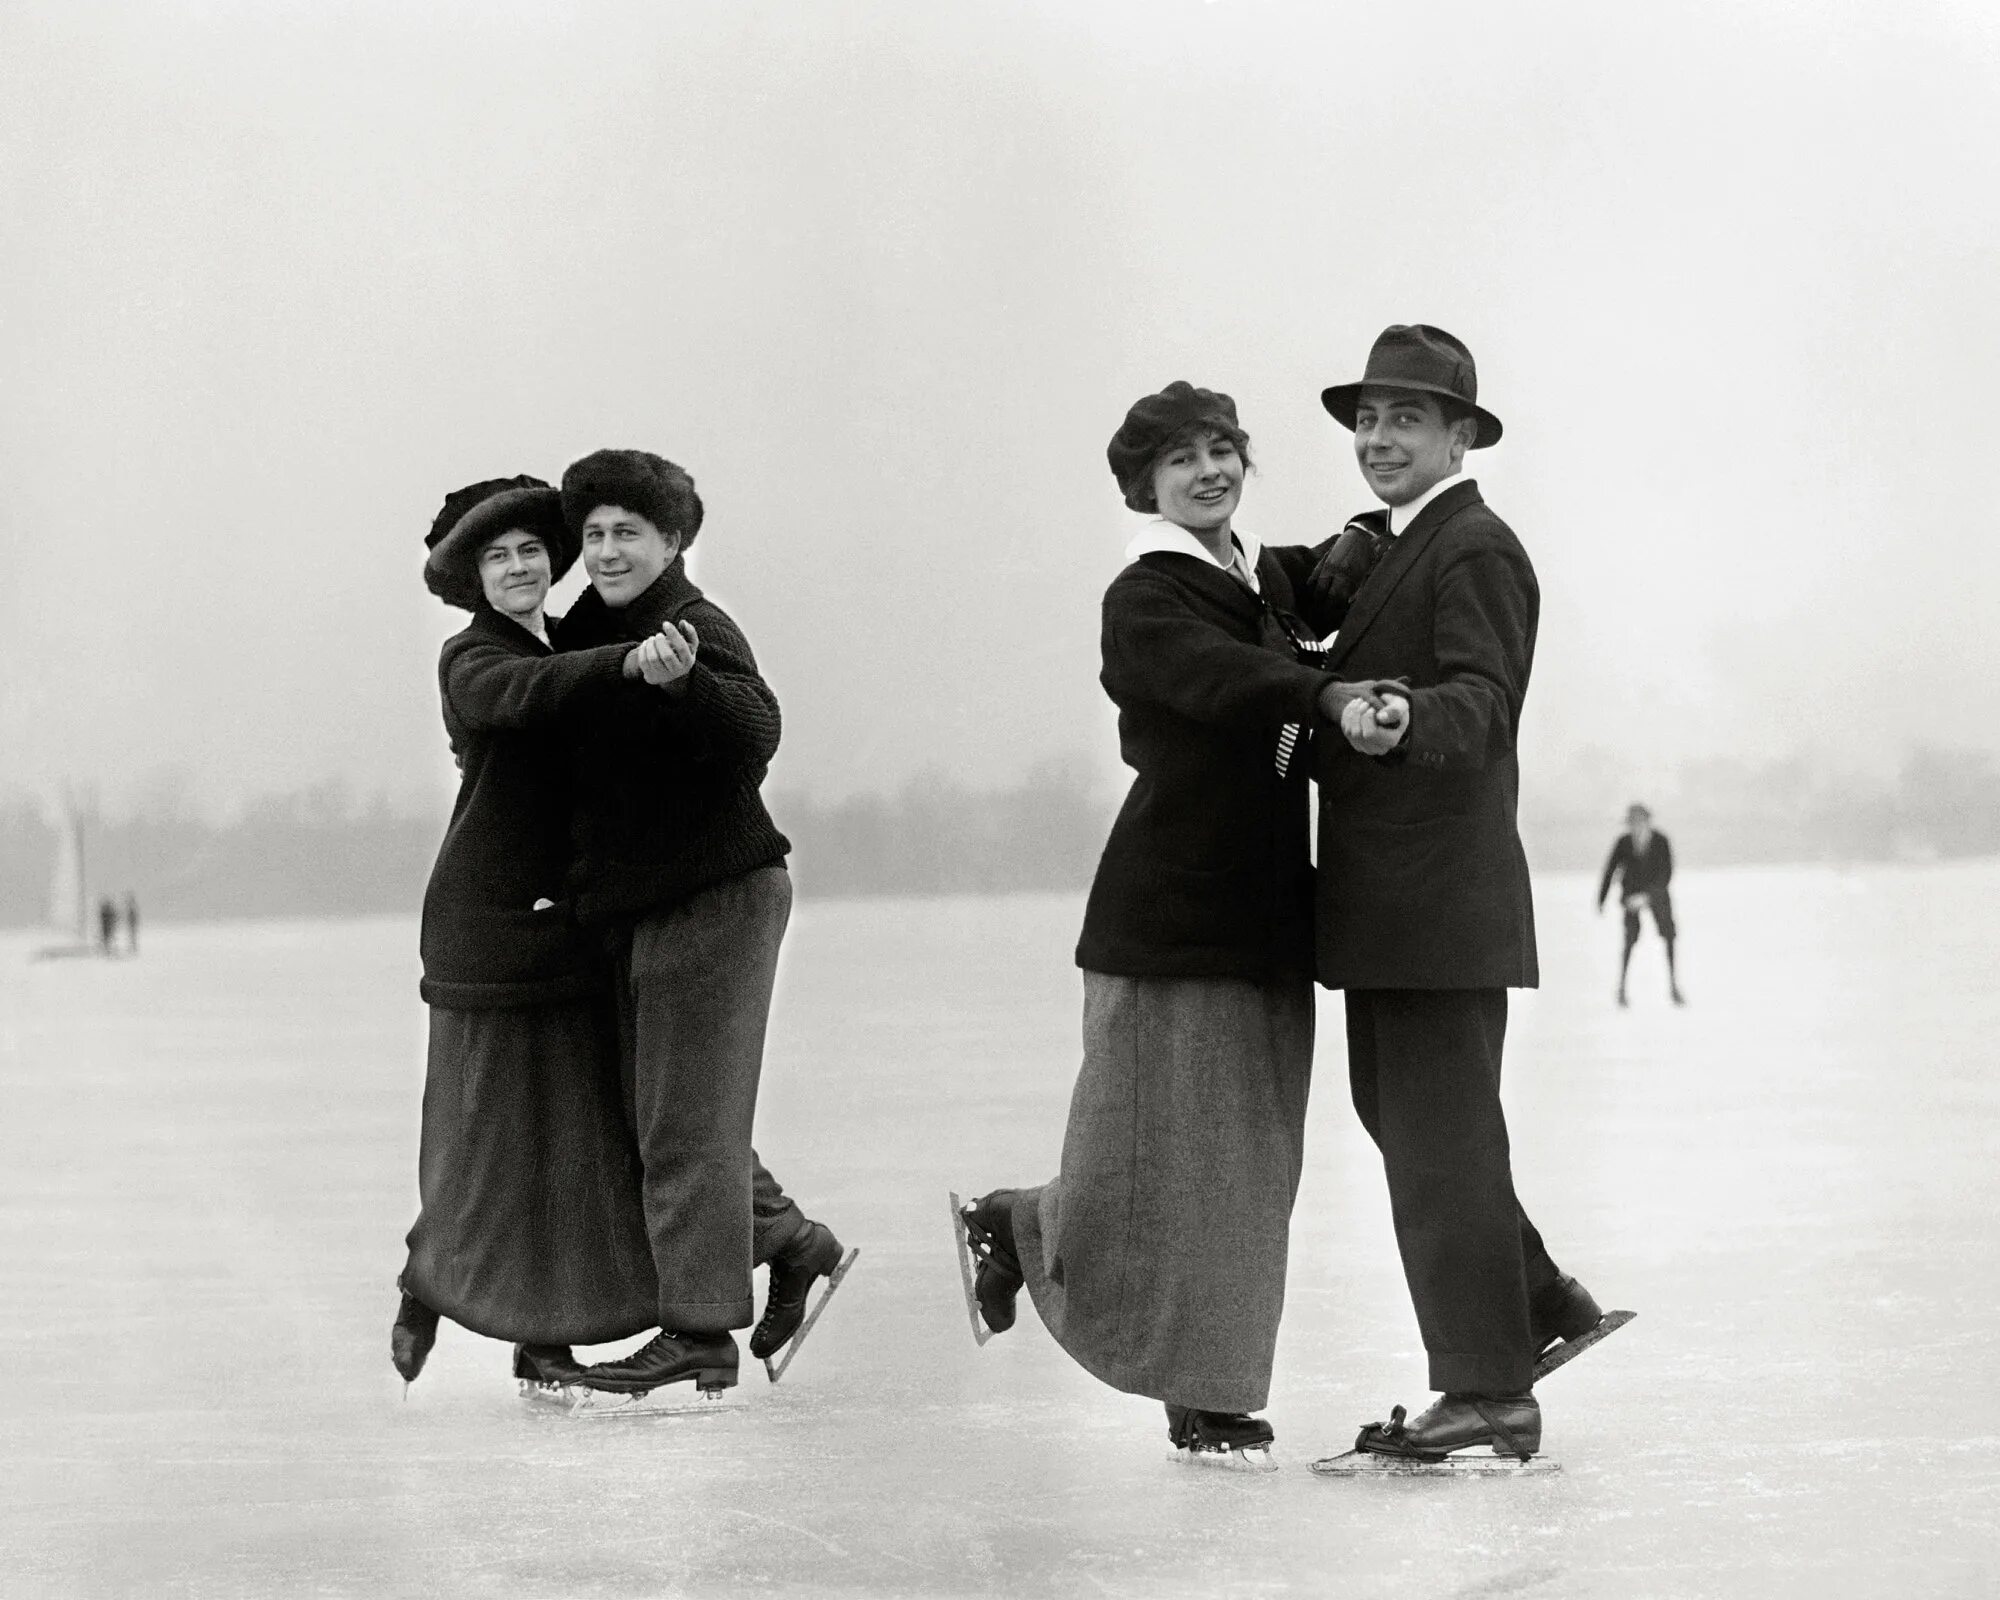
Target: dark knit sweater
1206,872
484,945
665,784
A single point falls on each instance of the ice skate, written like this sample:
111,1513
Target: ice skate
1460,1433
548,1373
834,1279
411,1336
985,1235
647,1383
815,1254
1568,1349
1227,1439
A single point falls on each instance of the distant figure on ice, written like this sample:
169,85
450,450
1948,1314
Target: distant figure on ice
131,924
107,926
678,867
1643,862
1425,912
1156,1257
531,1227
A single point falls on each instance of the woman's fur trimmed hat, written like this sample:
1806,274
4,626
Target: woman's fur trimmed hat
638,481
473,517
1164,419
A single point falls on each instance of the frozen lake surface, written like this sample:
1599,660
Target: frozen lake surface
207,1164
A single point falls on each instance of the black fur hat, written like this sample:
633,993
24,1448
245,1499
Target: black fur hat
1161,420
637,481
472,517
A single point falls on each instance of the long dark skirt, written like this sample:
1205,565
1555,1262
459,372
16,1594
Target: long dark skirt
532,1227
1157,1258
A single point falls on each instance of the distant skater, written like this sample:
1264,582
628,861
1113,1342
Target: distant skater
107,927
131,924
1643,862
531,1227
1156,1257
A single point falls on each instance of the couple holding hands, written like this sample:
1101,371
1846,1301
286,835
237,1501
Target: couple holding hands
600,938
1157,1256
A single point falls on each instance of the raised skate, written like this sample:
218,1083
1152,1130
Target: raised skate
986,1267
791,1345
1567,1350
1226,1439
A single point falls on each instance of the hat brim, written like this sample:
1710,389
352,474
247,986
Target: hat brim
534,510
1342,400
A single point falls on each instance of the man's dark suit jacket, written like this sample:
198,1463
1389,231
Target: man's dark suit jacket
1422,880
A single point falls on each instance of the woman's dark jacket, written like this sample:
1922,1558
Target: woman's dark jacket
666,785
484,945
1206,872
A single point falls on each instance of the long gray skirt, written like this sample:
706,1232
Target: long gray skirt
1157,1258
532,1228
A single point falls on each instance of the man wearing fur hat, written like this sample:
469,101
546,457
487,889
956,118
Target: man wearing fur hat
678,863
1425,918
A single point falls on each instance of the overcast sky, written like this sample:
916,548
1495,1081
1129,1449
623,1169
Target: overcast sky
884,276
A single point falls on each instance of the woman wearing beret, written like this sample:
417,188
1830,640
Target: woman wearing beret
678,865
531,1228
1157,1256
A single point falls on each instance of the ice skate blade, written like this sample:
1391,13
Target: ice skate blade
1255,1459
791,1345
1466,1464
980,1332
1570,1349
581,1403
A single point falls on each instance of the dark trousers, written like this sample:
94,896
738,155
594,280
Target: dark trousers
1424,1066
694,987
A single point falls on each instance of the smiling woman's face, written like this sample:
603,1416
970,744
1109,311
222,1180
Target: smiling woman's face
514,574
1197,485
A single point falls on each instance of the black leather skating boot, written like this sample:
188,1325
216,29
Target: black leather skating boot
546,1363
411,1336
1204,1432
989,1229
708,1358
812,1256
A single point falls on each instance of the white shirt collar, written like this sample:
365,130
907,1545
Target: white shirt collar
1400,517
1165,538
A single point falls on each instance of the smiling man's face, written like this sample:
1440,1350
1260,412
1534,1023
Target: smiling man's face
1404,444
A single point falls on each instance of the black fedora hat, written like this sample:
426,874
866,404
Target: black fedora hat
472,517
1417,356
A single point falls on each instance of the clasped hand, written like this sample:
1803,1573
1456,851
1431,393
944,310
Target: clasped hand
1374,713
667,657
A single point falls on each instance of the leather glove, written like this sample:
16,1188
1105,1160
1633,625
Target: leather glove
1338,575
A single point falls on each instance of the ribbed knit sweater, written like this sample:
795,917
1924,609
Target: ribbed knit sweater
665,785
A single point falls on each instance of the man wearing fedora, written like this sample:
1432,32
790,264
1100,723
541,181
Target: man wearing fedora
1424,916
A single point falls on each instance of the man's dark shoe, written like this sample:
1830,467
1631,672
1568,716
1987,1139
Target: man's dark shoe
1509,1424
1560,1310
411,1336
708,1358
794,1270
546,1363
989,1229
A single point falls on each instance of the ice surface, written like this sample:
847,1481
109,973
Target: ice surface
207,1163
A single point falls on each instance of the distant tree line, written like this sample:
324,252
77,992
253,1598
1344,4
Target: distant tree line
323,850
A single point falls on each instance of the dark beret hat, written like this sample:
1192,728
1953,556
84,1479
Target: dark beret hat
1153,423
637,480
473,517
